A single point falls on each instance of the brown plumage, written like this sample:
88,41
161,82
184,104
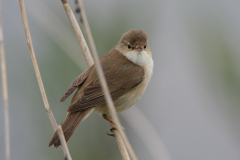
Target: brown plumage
133,37
69,125
123,77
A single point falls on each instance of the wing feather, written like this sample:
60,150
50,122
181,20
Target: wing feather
76,83
121,74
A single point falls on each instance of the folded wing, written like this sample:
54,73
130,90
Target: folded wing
121,74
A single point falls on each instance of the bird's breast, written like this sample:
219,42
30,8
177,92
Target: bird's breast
131,97
128,99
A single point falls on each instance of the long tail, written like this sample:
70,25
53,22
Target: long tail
69,125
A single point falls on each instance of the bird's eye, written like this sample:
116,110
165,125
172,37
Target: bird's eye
145,46
129,46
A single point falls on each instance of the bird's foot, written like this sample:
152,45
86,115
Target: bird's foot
112,134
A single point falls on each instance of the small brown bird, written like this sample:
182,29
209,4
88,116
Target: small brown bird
128,69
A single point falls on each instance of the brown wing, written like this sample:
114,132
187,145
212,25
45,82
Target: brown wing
122,75
76,83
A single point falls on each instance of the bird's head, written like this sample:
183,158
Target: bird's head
134,46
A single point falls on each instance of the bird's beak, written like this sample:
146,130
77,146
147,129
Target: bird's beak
138,48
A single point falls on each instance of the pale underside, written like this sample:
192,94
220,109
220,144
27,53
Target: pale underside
144,60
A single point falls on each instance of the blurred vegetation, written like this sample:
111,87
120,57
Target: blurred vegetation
182,129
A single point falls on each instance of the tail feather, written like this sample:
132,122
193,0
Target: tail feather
69,125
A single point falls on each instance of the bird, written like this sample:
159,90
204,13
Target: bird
127,68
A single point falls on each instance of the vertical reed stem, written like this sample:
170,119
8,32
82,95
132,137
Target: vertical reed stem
44,96
5,91
64,144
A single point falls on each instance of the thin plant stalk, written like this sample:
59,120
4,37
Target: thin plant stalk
120,143
86,26
121,146
102,79
78,33
64,144
34,60
5,99
5,91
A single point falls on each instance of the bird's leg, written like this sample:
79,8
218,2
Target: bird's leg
106,117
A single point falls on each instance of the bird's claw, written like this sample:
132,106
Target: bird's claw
111,134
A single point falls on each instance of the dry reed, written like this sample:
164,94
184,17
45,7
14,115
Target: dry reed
5,91
44,96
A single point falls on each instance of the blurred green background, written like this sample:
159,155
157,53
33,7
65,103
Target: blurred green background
190,109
